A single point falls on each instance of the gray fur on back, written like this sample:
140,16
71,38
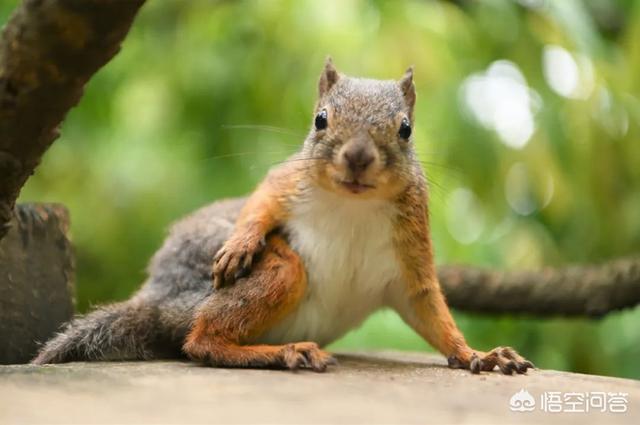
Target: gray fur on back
155,320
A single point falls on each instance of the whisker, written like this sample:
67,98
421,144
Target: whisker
238,154
296,160
443,149
437,190
261,127
442,166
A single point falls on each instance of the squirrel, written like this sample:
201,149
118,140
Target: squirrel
334,233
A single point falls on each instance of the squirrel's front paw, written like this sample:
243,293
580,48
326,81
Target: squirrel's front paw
506,358
234,259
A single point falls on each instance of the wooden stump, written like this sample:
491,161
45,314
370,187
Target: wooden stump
36,280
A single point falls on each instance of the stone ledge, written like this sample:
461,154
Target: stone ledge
383,387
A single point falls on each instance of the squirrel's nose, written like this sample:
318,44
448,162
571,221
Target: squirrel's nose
358,159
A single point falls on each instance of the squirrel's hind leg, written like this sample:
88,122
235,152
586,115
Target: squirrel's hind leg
236,314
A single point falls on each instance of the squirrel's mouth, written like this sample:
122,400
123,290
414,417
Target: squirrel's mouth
355,186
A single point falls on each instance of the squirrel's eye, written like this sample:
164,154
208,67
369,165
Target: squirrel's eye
321,120
405,129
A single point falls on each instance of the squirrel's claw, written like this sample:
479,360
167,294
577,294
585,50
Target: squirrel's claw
306,355
217,281
506,358
234,260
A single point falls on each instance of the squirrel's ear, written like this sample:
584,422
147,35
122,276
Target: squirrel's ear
408,88
328,77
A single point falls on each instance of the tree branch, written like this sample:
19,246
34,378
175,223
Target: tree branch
573,291
48,51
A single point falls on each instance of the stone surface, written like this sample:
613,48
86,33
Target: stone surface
364,388
36,280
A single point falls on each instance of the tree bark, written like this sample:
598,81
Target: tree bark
48,51
590,290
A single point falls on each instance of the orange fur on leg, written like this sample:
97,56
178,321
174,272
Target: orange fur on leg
233,316
421,302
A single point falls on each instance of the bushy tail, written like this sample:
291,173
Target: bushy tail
123,331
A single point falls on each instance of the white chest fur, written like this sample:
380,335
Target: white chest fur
346,245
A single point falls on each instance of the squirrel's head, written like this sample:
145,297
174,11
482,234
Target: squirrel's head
360,141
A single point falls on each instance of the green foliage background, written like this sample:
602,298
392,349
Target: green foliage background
160,133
